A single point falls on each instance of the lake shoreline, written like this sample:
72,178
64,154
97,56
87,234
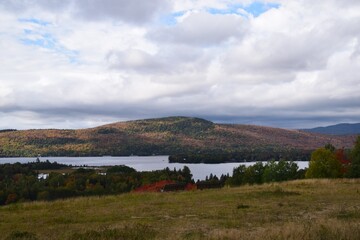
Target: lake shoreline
140,163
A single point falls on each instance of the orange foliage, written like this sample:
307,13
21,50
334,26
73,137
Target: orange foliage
341,157
157,186
154,187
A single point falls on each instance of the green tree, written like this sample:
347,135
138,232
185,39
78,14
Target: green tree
323,164
280,171
330,147
354,170
187,174
253,174
270,172
56,180
120,169
238,176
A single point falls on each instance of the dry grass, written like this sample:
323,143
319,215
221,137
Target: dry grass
306,209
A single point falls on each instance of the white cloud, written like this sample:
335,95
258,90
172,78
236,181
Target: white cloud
78,63
202,29
135,11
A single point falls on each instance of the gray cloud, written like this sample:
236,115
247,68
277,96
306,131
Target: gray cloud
202,29
20,6
295,66
303,51
137,60
135,11
168,60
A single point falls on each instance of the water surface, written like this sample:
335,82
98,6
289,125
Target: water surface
149,163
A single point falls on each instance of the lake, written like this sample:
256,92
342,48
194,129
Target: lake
150,163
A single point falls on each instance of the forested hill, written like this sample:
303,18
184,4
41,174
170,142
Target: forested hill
339,129
170,135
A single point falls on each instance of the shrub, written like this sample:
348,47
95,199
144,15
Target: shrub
323,164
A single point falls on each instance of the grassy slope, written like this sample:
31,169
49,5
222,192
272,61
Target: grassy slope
160,136
306,209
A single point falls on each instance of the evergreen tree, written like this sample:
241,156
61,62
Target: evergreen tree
238,175
187,174
354,170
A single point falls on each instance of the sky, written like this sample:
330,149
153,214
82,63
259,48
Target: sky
84,63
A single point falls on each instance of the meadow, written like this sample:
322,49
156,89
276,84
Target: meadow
300,209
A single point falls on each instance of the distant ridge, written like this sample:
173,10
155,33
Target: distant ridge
338,129
162,136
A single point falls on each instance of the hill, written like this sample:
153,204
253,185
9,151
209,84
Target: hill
162,136
305,209
338,129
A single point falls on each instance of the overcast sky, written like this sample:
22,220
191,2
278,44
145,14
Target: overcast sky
83,63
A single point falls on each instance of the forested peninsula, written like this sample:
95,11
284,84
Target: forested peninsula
167,136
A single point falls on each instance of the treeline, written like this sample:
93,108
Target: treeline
7,130
329,162
243,156
262,173
39,165
212,181
19,182
326,162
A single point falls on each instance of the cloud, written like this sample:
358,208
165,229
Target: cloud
136,60
39,36
169,60
135,11
83,63
289,44
202,29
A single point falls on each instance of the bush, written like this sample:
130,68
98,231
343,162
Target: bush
323,164
21,235
354,170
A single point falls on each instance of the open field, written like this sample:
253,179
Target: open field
306,209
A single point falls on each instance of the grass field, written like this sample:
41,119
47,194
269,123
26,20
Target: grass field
306,209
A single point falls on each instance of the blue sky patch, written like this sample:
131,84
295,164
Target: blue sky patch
255,8
232,9
41,40
47,41
34,20
258,8
170,19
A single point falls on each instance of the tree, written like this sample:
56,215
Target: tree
238,175
354,169
280,171
323,164
187,174
270,172
253,174
342,158
330,147
120,169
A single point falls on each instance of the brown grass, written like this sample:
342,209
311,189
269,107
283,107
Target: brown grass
306,209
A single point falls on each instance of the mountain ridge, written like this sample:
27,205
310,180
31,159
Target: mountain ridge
337,129
161,136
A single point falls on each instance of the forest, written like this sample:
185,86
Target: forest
326,162
254,155
169,136
20,182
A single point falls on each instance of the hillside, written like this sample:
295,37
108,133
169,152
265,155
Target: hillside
170,135
338,129
306,209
